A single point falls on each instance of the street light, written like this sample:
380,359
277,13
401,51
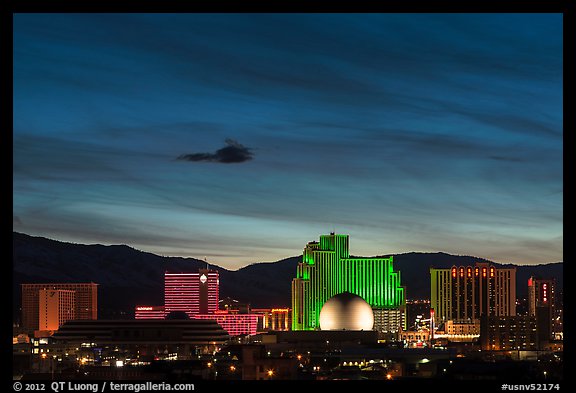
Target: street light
270,373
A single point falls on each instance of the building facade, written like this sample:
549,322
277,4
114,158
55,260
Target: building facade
193,293
55,306
415,338
327,270
389,320
458,331
279,319
122,339
197,294
509,333
86,301
465,328
234,324
468,292
149,312
273,318
541,305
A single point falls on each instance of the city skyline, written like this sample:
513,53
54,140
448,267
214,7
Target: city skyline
241,137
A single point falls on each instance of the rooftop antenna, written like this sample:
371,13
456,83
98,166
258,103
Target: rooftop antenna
206,260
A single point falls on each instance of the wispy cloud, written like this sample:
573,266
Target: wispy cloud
399,127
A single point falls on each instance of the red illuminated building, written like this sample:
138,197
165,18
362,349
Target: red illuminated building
193,293
197,295
235,324
149,312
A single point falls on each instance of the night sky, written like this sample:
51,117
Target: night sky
241,137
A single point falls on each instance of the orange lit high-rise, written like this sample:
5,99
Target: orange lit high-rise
55,306
85,297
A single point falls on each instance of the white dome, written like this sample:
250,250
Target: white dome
346,311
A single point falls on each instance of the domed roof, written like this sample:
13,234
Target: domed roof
346,311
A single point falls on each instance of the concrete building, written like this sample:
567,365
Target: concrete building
468,292
279,319
453,331
193,331
541,305
273,318
508,333
388,321
86,301
123,340
415,338
55,306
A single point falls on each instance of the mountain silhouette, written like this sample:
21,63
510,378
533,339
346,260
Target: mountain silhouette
128,277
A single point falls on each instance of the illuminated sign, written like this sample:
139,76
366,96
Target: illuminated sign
203,279
143,308
280,310
545,293
483,272
453,272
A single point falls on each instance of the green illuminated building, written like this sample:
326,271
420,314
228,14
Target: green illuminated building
327,270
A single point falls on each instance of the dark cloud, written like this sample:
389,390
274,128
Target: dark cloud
16,220
231,154
510,159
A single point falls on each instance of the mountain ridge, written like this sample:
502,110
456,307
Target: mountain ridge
128,277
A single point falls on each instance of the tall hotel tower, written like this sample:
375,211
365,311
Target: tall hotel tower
541,299
465,293
55,306
193,293
327,270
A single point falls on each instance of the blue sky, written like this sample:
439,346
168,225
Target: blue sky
241,137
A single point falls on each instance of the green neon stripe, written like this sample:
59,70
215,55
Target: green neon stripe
327,270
